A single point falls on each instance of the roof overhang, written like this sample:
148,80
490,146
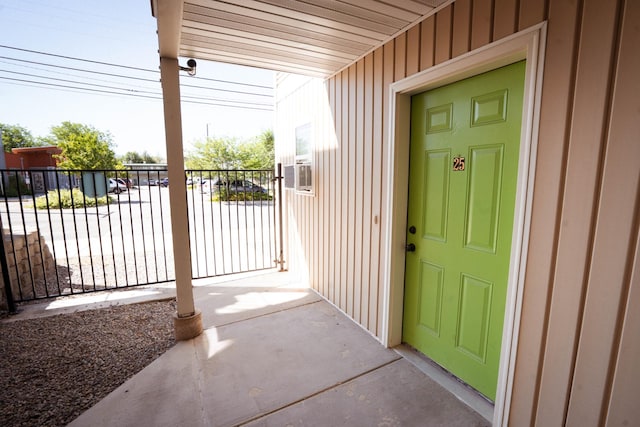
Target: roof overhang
48,149
311,37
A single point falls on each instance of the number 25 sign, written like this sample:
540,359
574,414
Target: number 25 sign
458,164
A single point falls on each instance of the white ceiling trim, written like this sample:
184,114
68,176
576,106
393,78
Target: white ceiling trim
271,53
313,37
260,62
190,33
277,31
289,16
341,30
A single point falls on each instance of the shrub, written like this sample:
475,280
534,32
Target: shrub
68,199
229,196
221,194
11,189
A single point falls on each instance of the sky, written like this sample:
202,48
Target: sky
123,33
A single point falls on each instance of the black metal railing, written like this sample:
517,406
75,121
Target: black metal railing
67,232
232,221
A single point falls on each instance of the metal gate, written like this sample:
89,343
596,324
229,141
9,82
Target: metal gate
232,221
90,245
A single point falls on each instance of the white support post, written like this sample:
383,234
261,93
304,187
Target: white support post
187,320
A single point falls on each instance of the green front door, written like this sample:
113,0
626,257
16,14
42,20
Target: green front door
465,140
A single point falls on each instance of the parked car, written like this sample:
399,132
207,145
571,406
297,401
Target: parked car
164,182
126,181
211,185
116,187
246,186
233,186
205,185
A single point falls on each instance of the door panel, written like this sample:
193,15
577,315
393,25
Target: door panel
473,317
483,204
463,170
430,300
436,194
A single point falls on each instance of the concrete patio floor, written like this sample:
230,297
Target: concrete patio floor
276,354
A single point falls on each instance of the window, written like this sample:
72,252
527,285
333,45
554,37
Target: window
304,159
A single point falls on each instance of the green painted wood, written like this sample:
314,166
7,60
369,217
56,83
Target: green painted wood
456,280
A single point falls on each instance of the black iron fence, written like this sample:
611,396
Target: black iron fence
68,232
232,218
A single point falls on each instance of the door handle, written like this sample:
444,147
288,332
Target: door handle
410,247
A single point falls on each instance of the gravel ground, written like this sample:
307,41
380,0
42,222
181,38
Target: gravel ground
52,369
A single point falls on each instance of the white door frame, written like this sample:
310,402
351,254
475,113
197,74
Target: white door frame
528,44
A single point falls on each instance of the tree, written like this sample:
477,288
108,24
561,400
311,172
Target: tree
135,157
15,136
259,153
214,153
267,139
83,147
228,153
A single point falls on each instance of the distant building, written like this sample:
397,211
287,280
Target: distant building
146,166
32,157
146,173
28,162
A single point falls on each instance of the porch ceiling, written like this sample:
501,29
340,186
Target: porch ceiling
312,37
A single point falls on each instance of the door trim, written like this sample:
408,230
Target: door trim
529,45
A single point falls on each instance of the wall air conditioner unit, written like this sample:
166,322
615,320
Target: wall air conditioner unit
304,177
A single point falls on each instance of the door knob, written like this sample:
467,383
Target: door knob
412,229
410,247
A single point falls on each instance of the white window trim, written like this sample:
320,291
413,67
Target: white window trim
305,161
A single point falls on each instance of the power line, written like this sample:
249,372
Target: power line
82,83
107,81
80,69
54,72
225,100
156,81
226,90
99,91
134,90
39,86
127,66
39,6
234,83
79,59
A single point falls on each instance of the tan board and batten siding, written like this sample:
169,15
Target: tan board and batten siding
579,335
